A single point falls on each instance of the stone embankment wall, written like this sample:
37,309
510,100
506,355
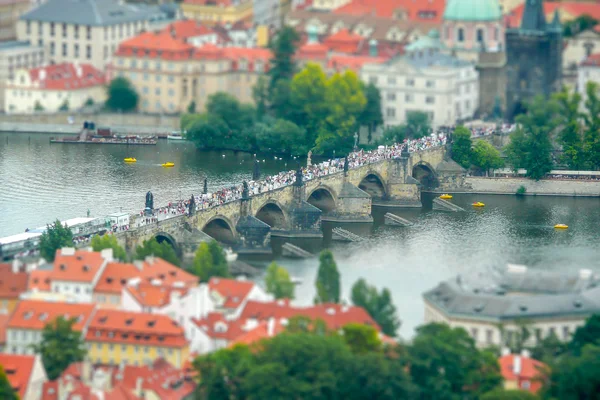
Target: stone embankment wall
550,187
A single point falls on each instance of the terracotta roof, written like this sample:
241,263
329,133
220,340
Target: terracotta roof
572,8
343,62
312,51
12,284
39,279
264,330
50,390
334,315
35,314
592,61
217,327
3,323
430,10
166,381
82,266
188,28
66,76
18,370
343,41
115,276
156,268
155,45
233,291
144,329
530,369
149,295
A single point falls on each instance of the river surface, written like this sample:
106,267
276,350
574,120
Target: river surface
40,182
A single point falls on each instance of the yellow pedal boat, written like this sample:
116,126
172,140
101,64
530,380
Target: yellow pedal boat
446,196
561,226
130,160
168,164
478,204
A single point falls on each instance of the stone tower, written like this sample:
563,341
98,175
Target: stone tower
534,58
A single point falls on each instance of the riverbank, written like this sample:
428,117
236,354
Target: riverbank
545,187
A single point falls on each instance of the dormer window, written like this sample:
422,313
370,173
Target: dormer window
43,316
28,315
109,280
129,321
102,319
151,323
63,267
220,327
86,268
111,335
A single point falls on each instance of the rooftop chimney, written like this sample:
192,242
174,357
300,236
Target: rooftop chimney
42,74
67,251
271,327
517,365
107,254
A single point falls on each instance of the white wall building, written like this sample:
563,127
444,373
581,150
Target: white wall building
15,55
494,314
589,71
427,80
580,47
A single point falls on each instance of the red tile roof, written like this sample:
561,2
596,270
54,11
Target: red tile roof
155,45
83,266
40,280
264,330
50,390
149,295
530,370
233,291
423,11
343,41
144,329
217,327
572,8
35,314
166,381
156,268
341,62
334,315
66,76
184,29
592,61
18,370
312,51
115,276
12,284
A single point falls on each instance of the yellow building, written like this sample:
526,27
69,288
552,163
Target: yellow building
116,337
212,12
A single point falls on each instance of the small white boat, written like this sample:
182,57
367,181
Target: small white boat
296,280
230,256
175,136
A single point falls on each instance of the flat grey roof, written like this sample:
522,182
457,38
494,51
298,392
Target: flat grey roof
93,12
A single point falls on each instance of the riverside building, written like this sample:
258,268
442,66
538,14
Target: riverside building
494,313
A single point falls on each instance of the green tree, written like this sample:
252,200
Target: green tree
109,242
280,137
210,261
121,95
503,394
60,346
445,364
461,146
571,129
371,116
38,106
486,157
89,102
361,338
575,377
304,324
417,124
283,65
591,143
328,279
55,237
236,115
379,306
307,97
207,131
586,334
278,282
191,109
548,349
64,106
579,24
260,95
6,390
161,250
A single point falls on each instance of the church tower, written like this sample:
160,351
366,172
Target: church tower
534,58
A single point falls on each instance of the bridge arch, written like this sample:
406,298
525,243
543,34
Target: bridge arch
425,173
323,198
373,184
167,237
271,213
221,229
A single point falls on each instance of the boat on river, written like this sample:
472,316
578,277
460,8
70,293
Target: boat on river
168,164
90,134
478,204
175,136
130,160
230,255
446,196
561,226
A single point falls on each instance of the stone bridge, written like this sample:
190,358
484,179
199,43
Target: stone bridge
297,210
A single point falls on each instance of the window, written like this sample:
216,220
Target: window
88,32
28,27
98,346
158,78
105,33
429,99
552,331
496,33
460,35
145,90
467,88
40,28
408,98
391,80
171,92
391,96
171,78
566,333
105,53
40,42
489,336
52,29
475,333
410,82
52,48
467,105
525,385
390,112
76,34
373,80
75,50
157,91
145,77
480,35
64,30
430,83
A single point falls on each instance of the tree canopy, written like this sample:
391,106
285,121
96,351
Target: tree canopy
161,250
278,282
210,261
121,95
461,146
379,306
6,390
328,279
371,117
55,237
486,157
60,346
107,241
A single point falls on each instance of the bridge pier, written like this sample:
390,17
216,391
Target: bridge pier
353,205
254,234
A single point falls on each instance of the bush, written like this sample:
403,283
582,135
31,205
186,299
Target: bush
521,190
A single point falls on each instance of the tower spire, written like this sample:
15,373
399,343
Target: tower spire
533,16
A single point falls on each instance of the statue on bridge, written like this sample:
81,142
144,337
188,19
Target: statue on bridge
346,166
299,176
256,171
149,203
192,206
205,190
245,191
309,159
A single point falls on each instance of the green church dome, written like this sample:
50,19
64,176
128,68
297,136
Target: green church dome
472,10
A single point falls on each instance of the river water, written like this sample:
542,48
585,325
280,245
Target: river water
40,182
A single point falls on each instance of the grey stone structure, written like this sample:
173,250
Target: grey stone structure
534,58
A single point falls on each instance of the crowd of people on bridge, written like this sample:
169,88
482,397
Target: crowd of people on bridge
478,131
356,159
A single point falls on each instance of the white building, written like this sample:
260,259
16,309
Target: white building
580,47
589,71
425,79
87,31
15,55
58,87
494,313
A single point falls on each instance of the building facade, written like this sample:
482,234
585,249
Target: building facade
534,58
270,12
547,304
16,55
589,71
212,12
10,11
427,80
90,31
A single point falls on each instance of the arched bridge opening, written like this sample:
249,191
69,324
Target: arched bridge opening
272,215
220,230
322,199
373,185
425,174
165,237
